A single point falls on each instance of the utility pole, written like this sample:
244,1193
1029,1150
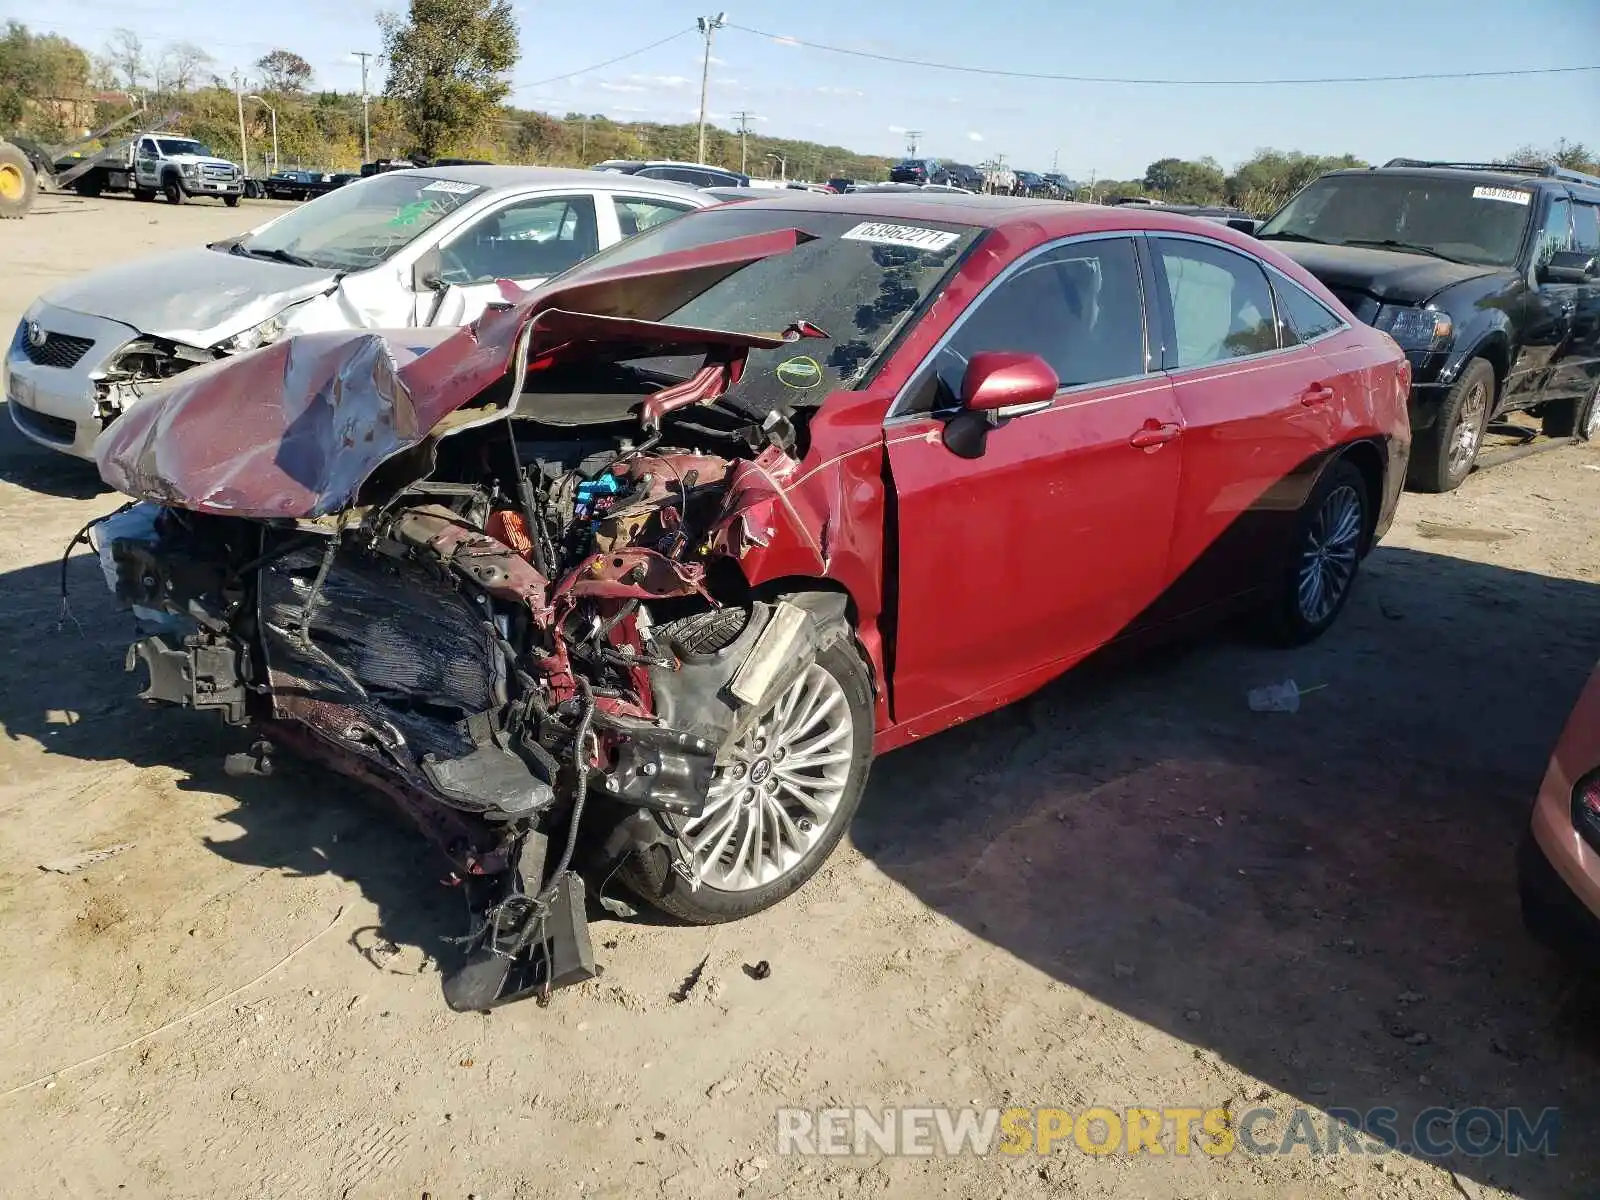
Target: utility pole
366,125
912,136
708,28
1055,163
744,119
244,145
274,112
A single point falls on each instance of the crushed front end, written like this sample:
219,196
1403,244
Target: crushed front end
533,637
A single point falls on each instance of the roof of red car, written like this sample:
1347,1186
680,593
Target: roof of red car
1056,217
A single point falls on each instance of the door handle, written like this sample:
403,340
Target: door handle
1154,433
1317,393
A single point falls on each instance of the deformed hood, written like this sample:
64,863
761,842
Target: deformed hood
195,296
1392,276
295,429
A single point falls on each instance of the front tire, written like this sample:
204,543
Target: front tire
19,184
780,804
1325,555
231,201
173,189
1442,456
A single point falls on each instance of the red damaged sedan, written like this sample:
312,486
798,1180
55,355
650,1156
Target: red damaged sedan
634,577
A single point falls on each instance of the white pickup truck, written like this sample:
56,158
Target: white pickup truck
149,164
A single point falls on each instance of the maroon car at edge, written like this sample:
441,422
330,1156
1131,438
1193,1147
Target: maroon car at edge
632,578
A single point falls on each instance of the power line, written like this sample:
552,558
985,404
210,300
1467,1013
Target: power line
968,70
608,62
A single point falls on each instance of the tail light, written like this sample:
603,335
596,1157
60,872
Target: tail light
1586,809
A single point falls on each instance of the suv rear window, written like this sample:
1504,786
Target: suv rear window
1453,217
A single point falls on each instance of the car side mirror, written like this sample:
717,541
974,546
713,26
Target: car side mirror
1570,266
997,386
427,273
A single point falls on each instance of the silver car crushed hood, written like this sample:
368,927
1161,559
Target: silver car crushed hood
198,297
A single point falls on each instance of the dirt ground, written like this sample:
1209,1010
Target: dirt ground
1129,890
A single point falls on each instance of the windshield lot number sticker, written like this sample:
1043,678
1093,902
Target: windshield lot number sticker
451,186
801,373
909,236
1509,195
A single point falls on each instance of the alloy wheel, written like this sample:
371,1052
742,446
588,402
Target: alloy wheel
774,795
1469,429
1328,562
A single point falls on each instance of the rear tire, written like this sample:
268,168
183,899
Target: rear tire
143,194
650,876
1573,418
89,189
18,182
1442,455
1324,556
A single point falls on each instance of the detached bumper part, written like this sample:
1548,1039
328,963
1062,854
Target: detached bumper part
203,675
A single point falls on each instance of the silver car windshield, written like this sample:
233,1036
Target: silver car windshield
360,225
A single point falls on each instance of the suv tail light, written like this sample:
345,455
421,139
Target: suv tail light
1586,809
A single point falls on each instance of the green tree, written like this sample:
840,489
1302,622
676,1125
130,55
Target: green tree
1179,181
447,65
35,68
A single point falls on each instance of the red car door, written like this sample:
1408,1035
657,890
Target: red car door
1257,410
1013,565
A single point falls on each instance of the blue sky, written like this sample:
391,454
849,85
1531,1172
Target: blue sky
1111,130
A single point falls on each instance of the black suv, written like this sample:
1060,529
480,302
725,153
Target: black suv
1486,274
959,175
914,170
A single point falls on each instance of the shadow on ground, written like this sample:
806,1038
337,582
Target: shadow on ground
40,470
1324,900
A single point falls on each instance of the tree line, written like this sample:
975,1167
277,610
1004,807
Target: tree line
446,92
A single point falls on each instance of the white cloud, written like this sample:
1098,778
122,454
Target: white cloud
898,129
838,91
974,137
608,86
718,62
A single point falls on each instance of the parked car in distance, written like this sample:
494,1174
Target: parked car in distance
1558,867
962,175
1118,423
1030,183
401,248
915,189
840,184
694,174
1060,186
297,185
1233,218
735,195
914,170
1487,275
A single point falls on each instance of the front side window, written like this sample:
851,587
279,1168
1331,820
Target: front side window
1077,306
361,224
1556,236
1302,316
531,239
1442,216
1586,228
1221,304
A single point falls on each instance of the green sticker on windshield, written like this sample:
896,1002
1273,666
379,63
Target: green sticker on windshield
412,213
799,372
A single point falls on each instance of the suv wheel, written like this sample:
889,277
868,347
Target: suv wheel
1574,418
1442,456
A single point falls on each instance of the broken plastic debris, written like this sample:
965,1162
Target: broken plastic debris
77,862
758,971
1279,697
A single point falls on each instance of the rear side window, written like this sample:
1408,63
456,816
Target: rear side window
1221,304
1304,318
1586,228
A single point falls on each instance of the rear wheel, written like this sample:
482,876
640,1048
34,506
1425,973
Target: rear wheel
1573,418
18,183
143,194
90,186
1442,456
1330,535
779,803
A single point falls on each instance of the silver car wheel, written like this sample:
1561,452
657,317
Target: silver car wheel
1469,429
1328,562
775,794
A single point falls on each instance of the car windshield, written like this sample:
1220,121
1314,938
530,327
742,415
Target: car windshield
171,146
860,279
1448,217
361,224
